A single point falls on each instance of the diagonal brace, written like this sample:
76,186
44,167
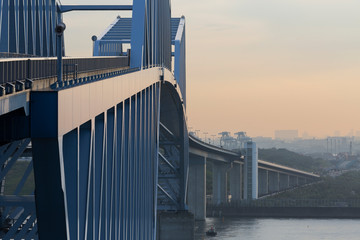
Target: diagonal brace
167,162
168,195
17,154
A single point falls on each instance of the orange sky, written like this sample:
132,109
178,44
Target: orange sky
262,65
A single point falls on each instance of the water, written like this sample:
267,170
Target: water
279,229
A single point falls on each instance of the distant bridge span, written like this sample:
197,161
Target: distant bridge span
230,167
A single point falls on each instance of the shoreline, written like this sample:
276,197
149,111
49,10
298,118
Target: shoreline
285,212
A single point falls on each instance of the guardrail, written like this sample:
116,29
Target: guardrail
12,70
97,77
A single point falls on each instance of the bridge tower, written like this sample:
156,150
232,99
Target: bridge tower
250,171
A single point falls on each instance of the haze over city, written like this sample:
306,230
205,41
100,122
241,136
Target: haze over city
258,66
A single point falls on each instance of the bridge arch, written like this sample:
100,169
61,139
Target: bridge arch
173,149
95,171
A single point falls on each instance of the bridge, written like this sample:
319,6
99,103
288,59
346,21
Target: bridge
239,175
105,138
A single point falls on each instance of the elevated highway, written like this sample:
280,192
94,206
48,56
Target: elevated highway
229,177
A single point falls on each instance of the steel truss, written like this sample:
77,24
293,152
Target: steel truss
17,212
169,170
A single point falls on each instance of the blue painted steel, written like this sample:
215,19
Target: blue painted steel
119,32
102,176
151,34
105,169
17,211
174,152
180,58
59,52
12,70
68,8
27,27
111,41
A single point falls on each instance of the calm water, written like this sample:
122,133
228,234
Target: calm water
280,229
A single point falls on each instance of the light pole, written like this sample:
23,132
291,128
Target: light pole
59,29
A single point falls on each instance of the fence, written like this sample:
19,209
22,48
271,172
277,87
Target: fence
12,70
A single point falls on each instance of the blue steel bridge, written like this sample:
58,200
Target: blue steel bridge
105,138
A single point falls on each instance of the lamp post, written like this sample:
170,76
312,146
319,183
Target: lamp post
59,30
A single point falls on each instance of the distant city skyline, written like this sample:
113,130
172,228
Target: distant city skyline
301,135
258,66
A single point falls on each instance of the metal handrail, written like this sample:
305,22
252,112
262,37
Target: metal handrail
14,70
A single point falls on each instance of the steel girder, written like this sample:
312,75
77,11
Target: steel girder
27,27
99,180
17,203
180,57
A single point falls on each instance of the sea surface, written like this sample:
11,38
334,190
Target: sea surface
279,229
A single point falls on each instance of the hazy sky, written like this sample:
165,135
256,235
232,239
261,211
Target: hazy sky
259,65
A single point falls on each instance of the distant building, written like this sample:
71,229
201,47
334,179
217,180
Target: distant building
286,134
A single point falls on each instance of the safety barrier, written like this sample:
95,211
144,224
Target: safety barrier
12,70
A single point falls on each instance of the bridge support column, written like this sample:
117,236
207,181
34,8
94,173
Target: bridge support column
197,187
263,182
273,182
302,181
236,177
251,171
283,181
175,225
293,181
219,183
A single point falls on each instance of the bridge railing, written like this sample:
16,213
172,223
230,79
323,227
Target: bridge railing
12,70
290,203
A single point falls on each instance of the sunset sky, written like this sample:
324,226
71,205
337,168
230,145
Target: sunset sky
259,65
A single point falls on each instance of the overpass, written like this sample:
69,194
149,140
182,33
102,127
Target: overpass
104,138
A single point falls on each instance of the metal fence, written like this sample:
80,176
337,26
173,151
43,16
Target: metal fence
15,55
12,70
291,203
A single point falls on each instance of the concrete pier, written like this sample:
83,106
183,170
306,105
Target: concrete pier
263,176
197,187
273,182
219,183
283,181
236,181
175,225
